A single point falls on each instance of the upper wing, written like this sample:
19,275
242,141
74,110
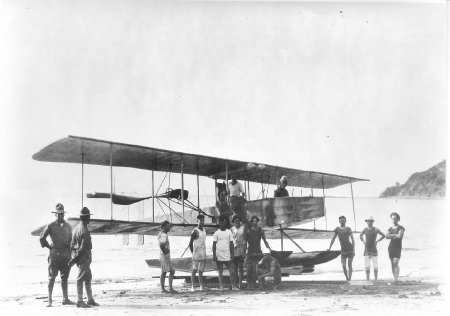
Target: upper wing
74,149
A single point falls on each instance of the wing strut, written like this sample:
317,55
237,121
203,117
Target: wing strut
182,186
353,202
82,180
289,237
153,195
324,205
111,176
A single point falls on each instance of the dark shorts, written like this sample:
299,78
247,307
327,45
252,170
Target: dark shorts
58,261
254,258
347,255
394,252
238,259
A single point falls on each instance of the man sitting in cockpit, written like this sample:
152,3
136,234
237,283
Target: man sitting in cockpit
281,190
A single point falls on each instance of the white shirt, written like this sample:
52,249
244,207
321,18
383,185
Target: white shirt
199,245
222,239
235,190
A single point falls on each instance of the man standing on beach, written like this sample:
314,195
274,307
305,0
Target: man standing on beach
223,253
81,248
347,246
197,245
395,234
164,257
240,247
223,208
370,247
60,233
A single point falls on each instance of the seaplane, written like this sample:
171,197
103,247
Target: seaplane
279,216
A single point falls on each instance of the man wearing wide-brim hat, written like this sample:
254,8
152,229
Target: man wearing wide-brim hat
60,233
81,247
370,246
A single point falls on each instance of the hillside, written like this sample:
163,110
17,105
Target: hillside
428,183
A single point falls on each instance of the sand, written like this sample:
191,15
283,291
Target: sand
142,296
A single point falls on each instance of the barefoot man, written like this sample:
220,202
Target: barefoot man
269,271
395,234
370,247
240,247
197,245
164,257
347,246
223,252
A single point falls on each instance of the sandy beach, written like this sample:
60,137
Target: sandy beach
142,296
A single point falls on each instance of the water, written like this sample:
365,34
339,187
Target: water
24,268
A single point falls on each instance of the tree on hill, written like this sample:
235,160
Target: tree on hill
428,183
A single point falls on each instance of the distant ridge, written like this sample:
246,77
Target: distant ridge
429,183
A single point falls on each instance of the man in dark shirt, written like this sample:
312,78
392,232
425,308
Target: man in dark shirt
81,255
60,233
281,190
347,246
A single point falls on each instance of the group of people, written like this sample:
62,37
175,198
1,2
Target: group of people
230,249
69,247
369,237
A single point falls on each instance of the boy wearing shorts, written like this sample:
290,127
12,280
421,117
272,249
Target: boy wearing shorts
347,246
370,247
197,245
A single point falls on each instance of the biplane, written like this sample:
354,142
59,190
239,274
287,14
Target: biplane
278,216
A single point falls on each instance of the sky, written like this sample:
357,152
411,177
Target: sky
357,89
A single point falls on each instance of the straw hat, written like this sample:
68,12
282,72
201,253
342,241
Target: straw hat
370,219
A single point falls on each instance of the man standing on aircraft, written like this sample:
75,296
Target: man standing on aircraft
254,253
81,248
60,233
347,246
197,245
269,271
370,246
224,209
240,247
223,253
237,198
281,190
164,257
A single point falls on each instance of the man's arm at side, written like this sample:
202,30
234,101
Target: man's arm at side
264,239
191,242
231,250
214,250
43,238
332,241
